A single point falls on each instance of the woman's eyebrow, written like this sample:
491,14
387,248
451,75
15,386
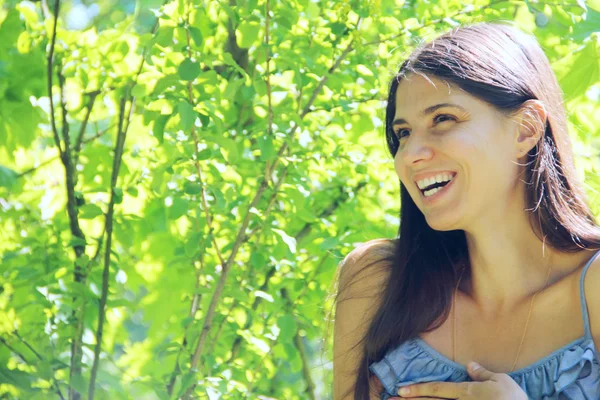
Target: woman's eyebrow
429,110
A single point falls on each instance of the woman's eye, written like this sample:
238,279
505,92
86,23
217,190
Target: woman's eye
400,135
445,115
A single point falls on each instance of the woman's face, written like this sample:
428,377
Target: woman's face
466,139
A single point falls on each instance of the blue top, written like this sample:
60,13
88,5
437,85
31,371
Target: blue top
569,373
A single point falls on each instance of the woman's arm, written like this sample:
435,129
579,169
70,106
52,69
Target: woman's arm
360,286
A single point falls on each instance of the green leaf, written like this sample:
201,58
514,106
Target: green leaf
232,88
204,119
192,187
76,241
188,70
220,201
312,10
192,244
580,70
204,154
164,36
247,33
287,327
187,115
79,383
267,150
177,209
186,321
363,70
585,28
45,370
132,191
89,211
158,129
196,36
259,85
16,378
186,382
8,177
228,59
118,195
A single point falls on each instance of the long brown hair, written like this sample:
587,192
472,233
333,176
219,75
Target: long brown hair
503,66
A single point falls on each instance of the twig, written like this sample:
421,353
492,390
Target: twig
193,309
79,140
196,161
302,233
22,357
365,100
440,20
206,208
63,108
121,136
71,201
50,62
48,161
268,78
310,385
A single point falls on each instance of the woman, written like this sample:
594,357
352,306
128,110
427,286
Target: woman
493,217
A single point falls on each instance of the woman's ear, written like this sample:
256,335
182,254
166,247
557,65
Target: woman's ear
531,125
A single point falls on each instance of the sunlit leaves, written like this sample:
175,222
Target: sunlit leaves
581,69
199,148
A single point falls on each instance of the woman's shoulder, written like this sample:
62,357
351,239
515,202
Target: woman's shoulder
374,248
368,264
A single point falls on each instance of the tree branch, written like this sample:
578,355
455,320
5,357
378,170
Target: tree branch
48,161
22,357
299,237
79,140
440,20
49,67
268,78
118,154
193,309
71,201
310,385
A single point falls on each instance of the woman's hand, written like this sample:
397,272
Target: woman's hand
487,385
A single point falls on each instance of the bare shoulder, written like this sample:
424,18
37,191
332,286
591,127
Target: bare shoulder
368,265
592,297
362,276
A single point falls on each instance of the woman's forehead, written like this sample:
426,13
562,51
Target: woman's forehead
418,86
416,94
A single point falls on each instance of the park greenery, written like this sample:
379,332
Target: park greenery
180,180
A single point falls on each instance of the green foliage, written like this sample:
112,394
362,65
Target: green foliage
249,170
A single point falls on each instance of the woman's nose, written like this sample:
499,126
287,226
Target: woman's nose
415,149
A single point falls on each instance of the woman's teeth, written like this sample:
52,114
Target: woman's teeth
431,192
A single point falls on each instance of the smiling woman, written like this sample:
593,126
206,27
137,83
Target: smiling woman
492,215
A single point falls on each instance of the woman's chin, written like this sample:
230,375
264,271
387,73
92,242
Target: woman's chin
442,224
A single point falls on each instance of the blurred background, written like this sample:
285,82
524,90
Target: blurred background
180,180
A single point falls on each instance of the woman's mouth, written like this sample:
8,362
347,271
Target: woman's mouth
436,191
